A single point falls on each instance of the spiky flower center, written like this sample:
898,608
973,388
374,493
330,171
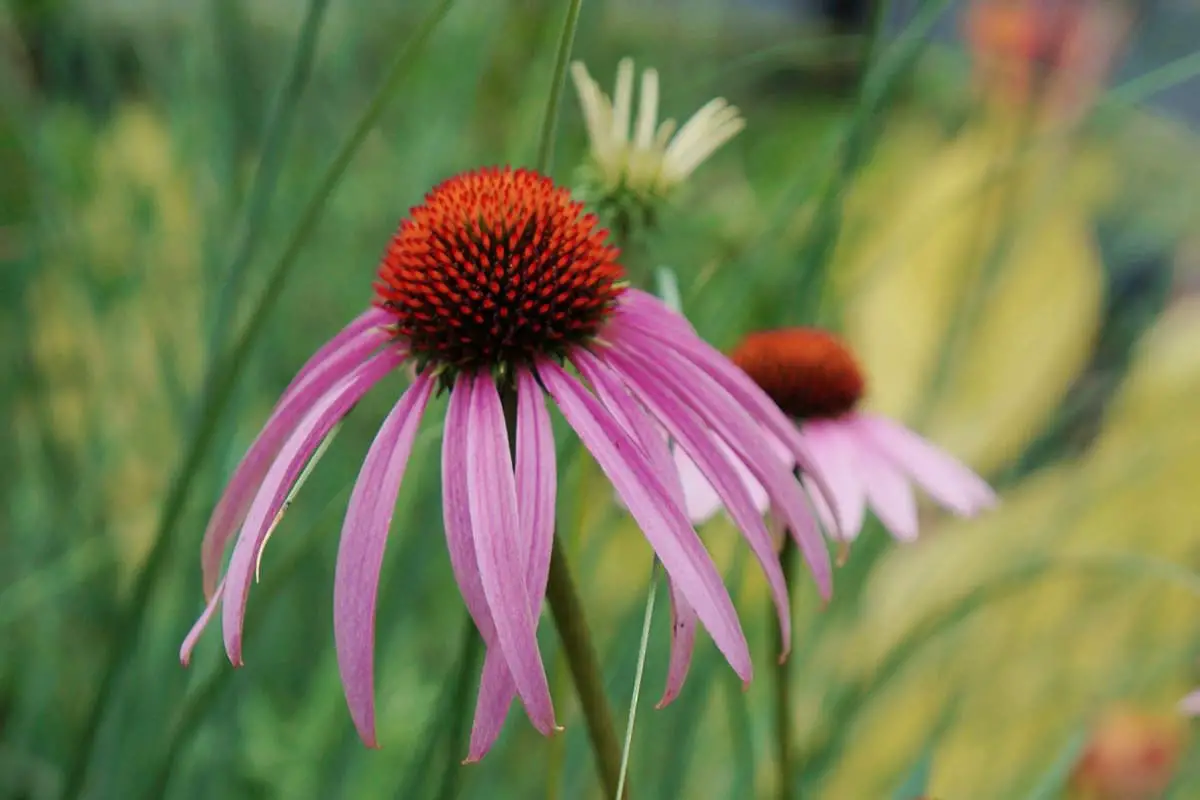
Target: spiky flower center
498,267
808,372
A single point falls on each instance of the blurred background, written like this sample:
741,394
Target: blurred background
1001,197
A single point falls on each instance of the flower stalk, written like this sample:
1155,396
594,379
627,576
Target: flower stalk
572,626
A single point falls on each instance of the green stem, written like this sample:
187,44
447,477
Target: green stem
643,648
783,684
566,40
219,387
572,627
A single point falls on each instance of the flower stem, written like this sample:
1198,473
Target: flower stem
585,669
643,647
783,686
219,386
566,40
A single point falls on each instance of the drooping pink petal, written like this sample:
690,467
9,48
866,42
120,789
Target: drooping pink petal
661,520
630,416
456,512
690,434
683,643
947,480
193,636
284,471
690,384
372,322
323,371
1190,705
495,523
536,487
888,491
835,453
360,552
648,316
700,499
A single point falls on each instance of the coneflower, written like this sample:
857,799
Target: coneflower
867,459
491,289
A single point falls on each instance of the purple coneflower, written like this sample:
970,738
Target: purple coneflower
490,289
867,459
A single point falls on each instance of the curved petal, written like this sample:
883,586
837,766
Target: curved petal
683,643
653,320
685,426
360,553
492,499
193,636
889,494
284,471
946,479
661,520
371,323
729,420
700,499
536,488
836,456
323,371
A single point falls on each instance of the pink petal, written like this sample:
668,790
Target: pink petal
456,513
836,455
503,560
373,322
729,420
267,503
888,492
652,319
699,498
536,488
662,521
1190,705
685,426
632,417
360,552
189,641
683,643
323,371
947,480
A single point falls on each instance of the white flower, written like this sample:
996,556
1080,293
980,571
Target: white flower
651,161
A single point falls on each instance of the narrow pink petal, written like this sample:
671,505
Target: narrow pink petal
947,480
495,522
889,494
632,417
689,432
649,319
371,322
536,487
360,552
323,371
456,512
699,498
283,473
661,520
729,421
1190,705
193,636
836,455
683,643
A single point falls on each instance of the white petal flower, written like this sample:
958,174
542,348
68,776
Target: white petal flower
647,159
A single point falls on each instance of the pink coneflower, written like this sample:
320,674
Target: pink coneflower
867,459
491,288
1190,705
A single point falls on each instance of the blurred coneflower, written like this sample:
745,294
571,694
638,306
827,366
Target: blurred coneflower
1132,755
647,162
867,459
491,288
